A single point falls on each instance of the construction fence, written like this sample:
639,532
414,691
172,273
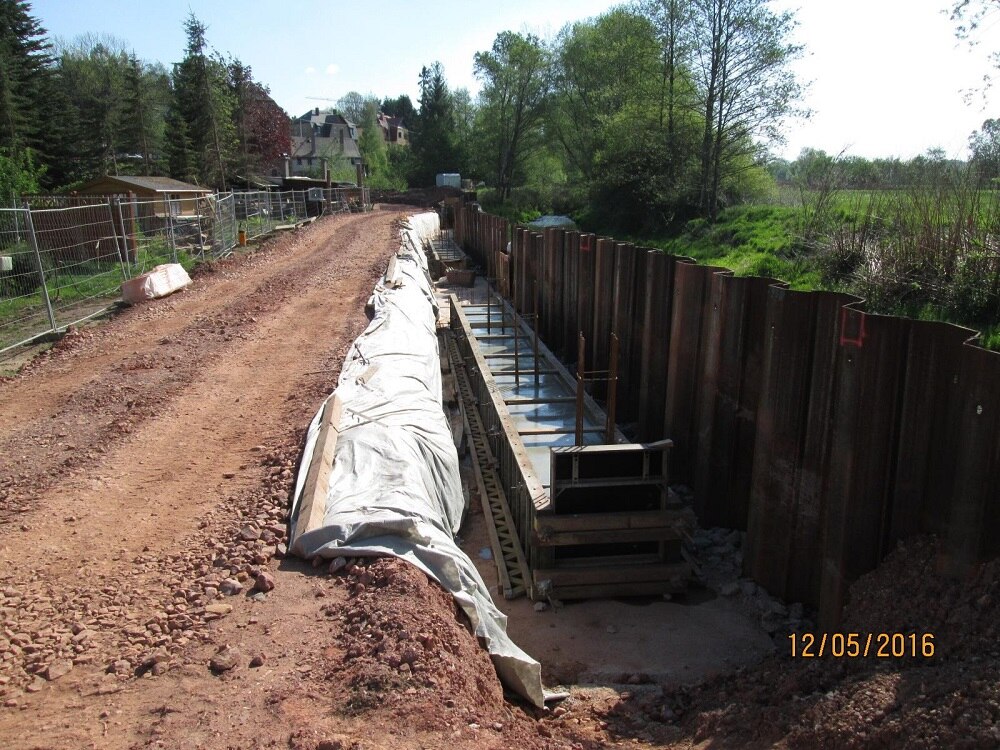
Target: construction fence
63,258
825,432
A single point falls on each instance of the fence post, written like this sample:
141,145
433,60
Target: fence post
112,202
170,227
121,221
201,228
38,265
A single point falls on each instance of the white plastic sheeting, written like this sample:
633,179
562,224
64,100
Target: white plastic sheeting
159,282
394,486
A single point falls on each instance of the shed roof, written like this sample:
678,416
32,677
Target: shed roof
152,184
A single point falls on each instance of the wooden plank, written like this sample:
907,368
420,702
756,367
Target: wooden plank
620,589
540,401
608,574
312,506
560,431
587,521
609,536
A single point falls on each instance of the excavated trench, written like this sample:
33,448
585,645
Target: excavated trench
667,635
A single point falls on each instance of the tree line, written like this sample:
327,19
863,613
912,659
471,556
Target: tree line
642,118
649,114
71,111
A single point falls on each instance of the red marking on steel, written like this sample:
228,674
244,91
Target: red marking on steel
859,341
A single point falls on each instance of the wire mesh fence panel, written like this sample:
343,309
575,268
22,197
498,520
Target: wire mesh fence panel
224,237
299,204
81,259
23,311
148,233
64,260
252,214
189,221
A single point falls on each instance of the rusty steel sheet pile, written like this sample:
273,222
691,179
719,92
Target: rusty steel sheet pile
826,432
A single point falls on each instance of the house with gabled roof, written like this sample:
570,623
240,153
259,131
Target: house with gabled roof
317,136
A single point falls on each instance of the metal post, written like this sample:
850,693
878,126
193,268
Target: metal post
517,359
118,246
535,345
609,433
38,265
121,221
581,348
170,228
201,229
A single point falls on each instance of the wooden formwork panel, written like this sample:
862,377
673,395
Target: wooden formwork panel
606,522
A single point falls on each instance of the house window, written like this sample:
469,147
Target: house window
298,161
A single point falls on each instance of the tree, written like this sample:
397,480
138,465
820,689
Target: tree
262,127
203,99
969,17
515,84
147,99
20,174
433,136
466,144
985,147
352,105
180,158
400,107
381,174
602,72
92,73
25,78
673,21
746,87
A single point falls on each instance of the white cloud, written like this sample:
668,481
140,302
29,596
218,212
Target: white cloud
332,69
310,71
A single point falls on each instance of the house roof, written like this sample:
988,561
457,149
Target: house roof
154,184
325,146
326,118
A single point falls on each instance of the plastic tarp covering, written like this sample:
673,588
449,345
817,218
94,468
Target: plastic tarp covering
159,282
394,486
553,222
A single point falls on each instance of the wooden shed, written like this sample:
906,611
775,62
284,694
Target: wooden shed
165,195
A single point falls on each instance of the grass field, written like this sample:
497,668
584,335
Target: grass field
931,253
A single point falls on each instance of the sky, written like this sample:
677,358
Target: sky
886,77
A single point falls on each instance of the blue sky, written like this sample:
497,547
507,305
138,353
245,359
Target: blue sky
886,76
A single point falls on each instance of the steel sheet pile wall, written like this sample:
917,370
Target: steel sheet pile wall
826,432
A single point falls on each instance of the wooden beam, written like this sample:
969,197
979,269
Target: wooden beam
584,521
312,505
610,574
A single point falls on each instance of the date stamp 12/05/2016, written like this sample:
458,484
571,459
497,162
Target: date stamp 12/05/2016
860,645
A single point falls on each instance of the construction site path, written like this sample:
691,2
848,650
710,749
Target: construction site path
147,468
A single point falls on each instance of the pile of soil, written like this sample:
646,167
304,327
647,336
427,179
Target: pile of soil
950,699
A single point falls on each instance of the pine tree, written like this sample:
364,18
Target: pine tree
433,140
206,103
180,158
24,69
25,72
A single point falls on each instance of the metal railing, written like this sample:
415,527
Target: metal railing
65,262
